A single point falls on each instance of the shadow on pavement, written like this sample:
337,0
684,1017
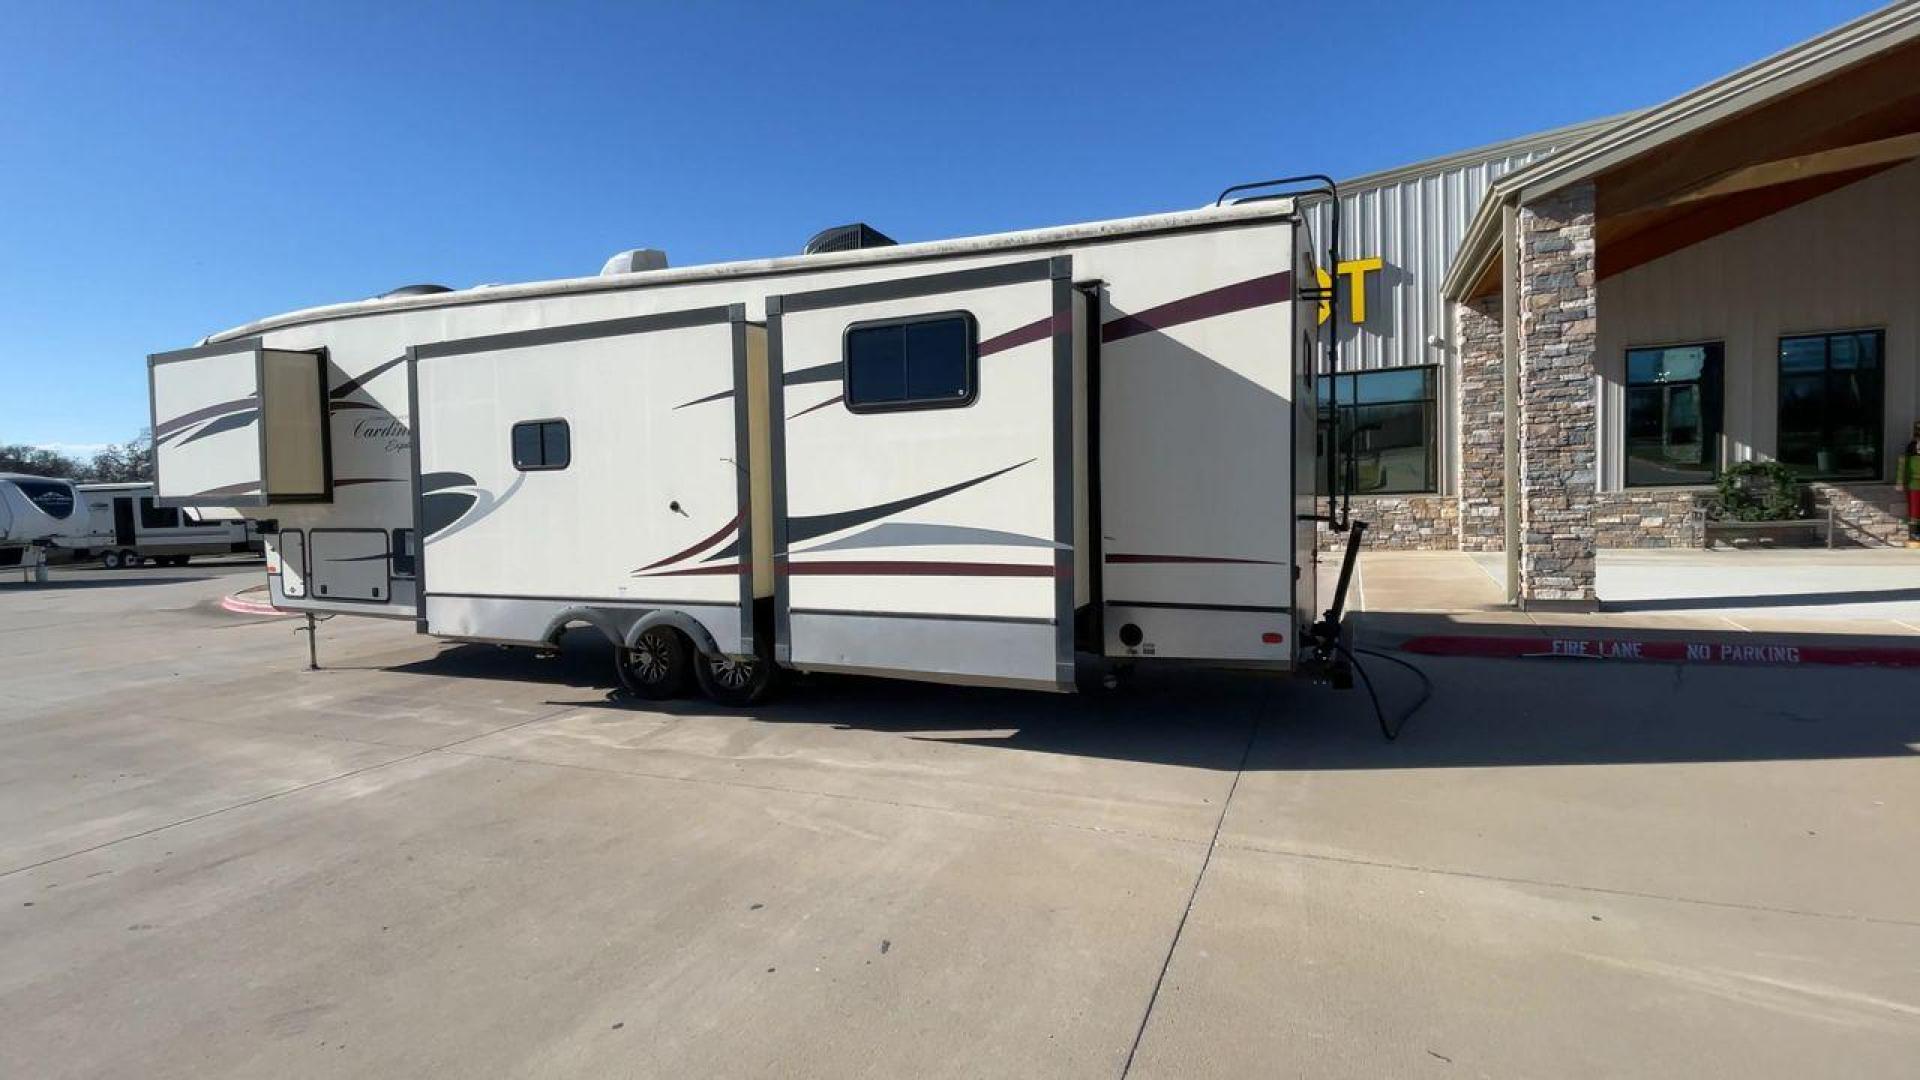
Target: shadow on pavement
59,585
1485,713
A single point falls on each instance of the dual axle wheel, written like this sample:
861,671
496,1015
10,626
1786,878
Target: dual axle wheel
662,661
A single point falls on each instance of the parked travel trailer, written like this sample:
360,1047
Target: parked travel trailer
968,461
35,511
124,526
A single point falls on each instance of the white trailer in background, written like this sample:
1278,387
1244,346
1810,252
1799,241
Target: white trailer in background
124,525
35,512
967,461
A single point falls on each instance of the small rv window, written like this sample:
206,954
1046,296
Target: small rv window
926,362
541,444
402,549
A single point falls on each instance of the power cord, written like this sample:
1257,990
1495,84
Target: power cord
1388,731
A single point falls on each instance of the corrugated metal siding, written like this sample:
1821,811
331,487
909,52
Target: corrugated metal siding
1413,220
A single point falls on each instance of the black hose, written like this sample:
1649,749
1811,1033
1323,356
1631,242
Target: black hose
1388,731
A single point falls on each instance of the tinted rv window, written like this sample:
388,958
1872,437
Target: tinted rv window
541,444
54,499
158,517
926,362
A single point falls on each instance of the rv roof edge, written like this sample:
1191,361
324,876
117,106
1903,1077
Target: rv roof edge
1086,232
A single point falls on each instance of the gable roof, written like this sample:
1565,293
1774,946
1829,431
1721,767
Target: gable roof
1772,78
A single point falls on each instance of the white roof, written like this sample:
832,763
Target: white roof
969,245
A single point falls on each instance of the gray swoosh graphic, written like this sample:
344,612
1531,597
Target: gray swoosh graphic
907,534
485,504
225,423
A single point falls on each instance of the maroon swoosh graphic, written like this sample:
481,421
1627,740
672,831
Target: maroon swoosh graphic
703,545
1260,291
1039,330
864,568
834,400
168,427
1209,559
244,488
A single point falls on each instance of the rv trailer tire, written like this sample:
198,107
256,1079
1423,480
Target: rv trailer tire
110,560
736,681
656,666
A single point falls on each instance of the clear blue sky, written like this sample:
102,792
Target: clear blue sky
170,170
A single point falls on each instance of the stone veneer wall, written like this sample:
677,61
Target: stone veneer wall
1402,523
1652,518
1558,320
1483,426
1866,515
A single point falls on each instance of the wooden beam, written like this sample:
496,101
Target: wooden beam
1804,167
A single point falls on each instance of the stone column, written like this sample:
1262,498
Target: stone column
1483,425
1558,310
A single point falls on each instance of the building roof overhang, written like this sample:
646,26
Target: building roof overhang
1822,114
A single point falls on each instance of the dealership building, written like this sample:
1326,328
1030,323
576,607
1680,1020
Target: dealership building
1558,343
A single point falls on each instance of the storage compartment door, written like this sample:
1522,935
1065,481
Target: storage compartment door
290,548
236,424
349,564
925,474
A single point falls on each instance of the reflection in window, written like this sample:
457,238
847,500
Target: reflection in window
1831,404
1387,426
1673,414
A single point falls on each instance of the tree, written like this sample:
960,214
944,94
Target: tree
39,461
128,461
118,463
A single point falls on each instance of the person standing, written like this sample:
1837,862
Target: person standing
1907,479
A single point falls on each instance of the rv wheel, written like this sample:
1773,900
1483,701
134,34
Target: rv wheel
733,680
111,560
657,665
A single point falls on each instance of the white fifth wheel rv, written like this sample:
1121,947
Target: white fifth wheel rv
963,461
35,512
124,526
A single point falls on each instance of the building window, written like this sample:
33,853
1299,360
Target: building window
926,362
1831,405
1387,427
158,517
1673,414
402,552
541,444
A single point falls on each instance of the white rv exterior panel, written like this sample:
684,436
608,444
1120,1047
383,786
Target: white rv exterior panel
206,426
1198,391
646,513
933,540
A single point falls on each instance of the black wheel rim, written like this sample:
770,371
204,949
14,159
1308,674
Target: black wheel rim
650,659
733,674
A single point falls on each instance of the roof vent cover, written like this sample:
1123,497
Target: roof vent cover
427,289
634,261
847,238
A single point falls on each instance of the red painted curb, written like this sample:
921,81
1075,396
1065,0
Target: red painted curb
1708,651
238,606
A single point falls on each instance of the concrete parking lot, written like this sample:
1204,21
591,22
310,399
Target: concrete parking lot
433,859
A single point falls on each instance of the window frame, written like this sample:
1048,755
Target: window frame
1879,422
1350,403
541,423
397,540
911,404
1627,386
